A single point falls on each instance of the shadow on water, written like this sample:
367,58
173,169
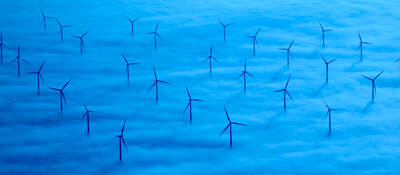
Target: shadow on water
279,72
327,135
356,63
273,118
320,88
368,106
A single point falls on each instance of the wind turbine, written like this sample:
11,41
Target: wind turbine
244,73
86,114
230,127
61,31
61,91
121,141
190,104
132,21
285,92
156,81
326,67
1,47
255,41
224,26
360,47
44,18
210,58
323,30
288,53
39,76
82,44
127,67
329,114
18,59
156,34
373,84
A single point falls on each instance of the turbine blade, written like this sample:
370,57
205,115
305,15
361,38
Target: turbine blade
159,36
331,61
324,59
378,75
290,96
249,74
85,106
322,28
41,77
186,107
163,82
12,61
128,19
223,25
359,36
208,58
154,71
54,89
136,19
241,75
123,141
41,66
83,116
325,104
63,96
126,61
41,11
123,128
279,90
196,100
215,59
58,22
236,123
228,24
291,44
367,77
23,60
152,86
66,83
287,82
227,116
85,33
187,90
326,115
225,129
258,31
